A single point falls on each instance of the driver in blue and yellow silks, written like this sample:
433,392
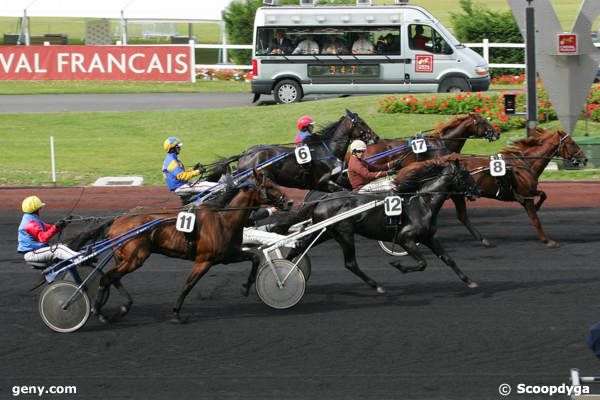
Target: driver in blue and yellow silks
176,176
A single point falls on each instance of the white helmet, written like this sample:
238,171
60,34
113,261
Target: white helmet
358,145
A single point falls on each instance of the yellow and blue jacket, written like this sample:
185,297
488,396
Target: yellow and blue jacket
174,172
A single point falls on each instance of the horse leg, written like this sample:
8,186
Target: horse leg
461,212
128,300
104,284
255,258
543,197
531,212
346,241
411,248
441,253
200,268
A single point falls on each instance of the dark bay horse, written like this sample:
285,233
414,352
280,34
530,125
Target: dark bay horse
525,160
328,147
448,137
423,186
217,238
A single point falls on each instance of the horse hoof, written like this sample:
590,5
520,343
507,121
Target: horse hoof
380,290
124,309
102,319
486,243
472,285
245,290
552,244
177,320
396,264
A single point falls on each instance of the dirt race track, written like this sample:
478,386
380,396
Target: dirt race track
428,337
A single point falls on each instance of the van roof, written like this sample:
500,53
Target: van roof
336,14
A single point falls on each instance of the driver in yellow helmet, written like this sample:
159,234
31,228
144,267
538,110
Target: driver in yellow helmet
176,176
34,234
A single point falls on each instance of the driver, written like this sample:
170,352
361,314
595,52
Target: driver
34,234
365,177
176,176
305,125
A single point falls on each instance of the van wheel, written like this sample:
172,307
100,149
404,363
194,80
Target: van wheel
454,85
287,91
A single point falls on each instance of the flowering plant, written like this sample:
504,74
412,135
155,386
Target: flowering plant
490,105
223,74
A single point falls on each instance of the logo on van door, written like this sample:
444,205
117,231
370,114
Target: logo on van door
424,63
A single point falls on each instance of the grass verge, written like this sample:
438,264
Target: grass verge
90,145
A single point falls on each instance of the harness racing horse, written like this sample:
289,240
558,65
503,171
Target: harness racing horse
525,161
449,137
328,148
423,186
216,239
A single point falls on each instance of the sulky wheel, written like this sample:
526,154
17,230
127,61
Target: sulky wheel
51,307
393,249
304,265
91,286
280,297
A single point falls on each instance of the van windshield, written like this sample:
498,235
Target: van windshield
293,41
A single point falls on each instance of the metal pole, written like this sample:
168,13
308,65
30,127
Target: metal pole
530,71
52,160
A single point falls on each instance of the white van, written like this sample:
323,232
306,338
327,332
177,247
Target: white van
301,50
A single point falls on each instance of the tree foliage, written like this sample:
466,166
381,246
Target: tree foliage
475,23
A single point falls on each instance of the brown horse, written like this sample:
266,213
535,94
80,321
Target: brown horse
525,160
448,137
216,239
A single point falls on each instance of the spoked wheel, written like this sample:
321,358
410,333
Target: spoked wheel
393,249
52,299
304,265
91,286
292,289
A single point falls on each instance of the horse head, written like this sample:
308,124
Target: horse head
569,150
461,179
359,129
269,193
483,128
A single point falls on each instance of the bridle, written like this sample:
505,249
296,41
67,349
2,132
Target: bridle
562,146
364,135
490,132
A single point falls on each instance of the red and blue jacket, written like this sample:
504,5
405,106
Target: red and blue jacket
34,233
175,173
300,136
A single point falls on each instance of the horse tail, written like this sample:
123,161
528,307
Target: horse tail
220,167
91,235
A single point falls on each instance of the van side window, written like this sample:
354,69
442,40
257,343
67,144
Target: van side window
425,38
388,43
335,40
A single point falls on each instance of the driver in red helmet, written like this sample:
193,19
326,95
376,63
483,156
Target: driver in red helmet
305,128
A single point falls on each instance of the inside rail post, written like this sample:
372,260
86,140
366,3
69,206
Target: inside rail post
530,68
52,160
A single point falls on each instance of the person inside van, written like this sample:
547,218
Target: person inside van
387,45
362,45
419,40
334,46
280,44
307,46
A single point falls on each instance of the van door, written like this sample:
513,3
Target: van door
431,56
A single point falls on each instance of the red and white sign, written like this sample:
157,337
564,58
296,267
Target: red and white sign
424,63
567,43
113,63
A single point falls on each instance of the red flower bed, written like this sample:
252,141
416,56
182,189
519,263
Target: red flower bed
489,105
